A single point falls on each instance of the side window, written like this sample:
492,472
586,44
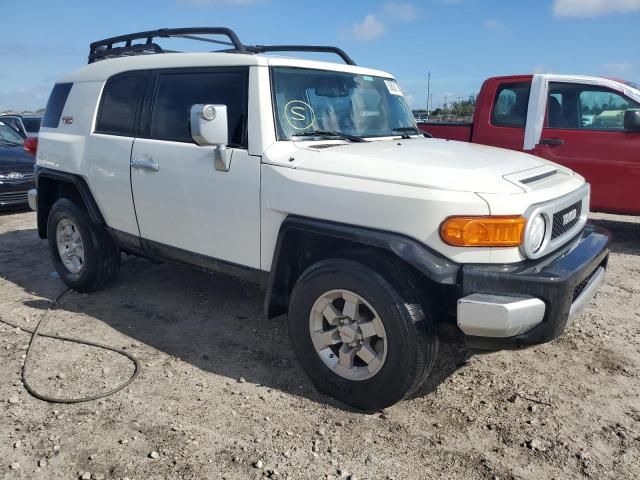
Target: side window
55,104
121,99
176,93
603,109
586,107
511,104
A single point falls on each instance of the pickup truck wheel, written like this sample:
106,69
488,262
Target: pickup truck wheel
361,333
83,253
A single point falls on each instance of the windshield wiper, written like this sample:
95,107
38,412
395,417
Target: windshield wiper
329,133
408,130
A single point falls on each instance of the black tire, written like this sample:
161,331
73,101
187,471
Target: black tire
101,255
412,342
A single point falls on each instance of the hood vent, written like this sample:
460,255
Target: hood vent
537,178
540,176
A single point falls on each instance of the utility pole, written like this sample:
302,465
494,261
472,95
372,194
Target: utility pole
428,92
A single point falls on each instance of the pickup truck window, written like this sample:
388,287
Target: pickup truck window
511,104
309,100
120,102
177,92
586,107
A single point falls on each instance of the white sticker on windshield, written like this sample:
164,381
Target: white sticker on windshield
393,87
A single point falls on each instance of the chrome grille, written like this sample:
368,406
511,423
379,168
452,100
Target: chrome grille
26,176
13,197
560,226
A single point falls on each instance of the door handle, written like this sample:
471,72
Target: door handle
552,142
145,164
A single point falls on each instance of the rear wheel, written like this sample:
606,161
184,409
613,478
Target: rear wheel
83,253
360,332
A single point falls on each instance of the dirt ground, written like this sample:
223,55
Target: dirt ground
220,392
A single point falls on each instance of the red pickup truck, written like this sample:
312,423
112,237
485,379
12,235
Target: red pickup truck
588,124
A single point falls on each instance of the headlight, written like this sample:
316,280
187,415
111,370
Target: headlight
537,231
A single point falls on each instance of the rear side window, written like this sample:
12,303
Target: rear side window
176,93
55,105
511,105
121,100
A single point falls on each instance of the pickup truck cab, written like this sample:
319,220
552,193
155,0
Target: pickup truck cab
312,180
588,124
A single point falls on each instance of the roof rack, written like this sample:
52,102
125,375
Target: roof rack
108,48
301,48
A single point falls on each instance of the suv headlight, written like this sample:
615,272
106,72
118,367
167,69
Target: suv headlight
536,233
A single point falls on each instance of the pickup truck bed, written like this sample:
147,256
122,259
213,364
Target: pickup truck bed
452,131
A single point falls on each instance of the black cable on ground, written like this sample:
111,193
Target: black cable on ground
35,333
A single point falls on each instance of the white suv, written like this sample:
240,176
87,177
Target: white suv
311,179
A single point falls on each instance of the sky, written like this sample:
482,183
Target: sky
461,42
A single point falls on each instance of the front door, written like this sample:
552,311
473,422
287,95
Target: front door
584,131
181,200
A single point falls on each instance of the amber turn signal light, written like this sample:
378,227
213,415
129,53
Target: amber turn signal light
483,231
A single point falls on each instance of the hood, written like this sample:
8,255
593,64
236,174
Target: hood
422,162
15,158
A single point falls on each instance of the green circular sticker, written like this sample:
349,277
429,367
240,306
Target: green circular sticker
299,114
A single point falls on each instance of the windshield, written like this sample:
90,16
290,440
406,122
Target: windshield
8,136
322,101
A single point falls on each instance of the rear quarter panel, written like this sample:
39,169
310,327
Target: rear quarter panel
102,160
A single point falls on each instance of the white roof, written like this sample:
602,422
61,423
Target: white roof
103,69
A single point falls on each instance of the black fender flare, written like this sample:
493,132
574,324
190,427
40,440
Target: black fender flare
74,180
429,263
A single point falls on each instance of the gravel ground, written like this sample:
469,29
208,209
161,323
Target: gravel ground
220,394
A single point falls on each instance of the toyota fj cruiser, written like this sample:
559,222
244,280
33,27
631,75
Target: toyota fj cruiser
311,179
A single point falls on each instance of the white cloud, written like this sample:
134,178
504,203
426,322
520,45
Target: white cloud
617,68
372,26
401,12
593,8
492,24
369,29
540,68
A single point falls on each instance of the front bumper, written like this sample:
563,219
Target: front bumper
512,306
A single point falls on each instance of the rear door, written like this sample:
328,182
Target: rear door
183,204
108,148
584,131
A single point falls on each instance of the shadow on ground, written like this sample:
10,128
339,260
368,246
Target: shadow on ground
212,322
626,234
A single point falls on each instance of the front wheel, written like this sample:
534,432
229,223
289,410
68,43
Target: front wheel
83,253
361,332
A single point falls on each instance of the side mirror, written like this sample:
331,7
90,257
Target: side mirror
632,120
209,127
